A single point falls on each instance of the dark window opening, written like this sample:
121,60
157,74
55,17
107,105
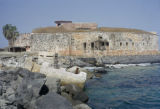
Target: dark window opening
126,43
58,24
17,49
84,45
41,55
132,43
92,45
120,43
102,43
100,37
49,56
107,43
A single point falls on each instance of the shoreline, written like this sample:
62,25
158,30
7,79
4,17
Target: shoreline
72,91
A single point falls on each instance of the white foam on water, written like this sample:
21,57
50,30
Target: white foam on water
125,65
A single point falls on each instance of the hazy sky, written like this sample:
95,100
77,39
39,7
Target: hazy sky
30,14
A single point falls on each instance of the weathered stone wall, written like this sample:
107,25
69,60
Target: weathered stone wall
94,44
23,40
56,43
75,26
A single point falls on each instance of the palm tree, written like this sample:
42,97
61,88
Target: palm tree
10,33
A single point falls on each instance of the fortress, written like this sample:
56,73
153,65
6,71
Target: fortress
86,40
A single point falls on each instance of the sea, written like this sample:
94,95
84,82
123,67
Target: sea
126,87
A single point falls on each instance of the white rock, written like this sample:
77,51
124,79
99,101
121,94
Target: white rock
81,106
65,76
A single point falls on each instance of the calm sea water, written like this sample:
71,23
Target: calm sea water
134,87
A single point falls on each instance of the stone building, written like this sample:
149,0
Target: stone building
91,43
68,25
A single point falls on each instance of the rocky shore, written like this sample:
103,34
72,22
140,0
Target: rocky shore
27,84
22,89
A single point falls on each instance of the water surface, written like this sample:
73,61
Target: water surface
134,87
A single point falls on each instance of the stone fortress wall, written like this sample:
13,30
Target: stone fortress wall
91,44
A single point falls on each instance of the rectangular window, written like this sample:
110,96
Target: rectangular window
107,43
92,45
120,43
126,43
84,46
102,43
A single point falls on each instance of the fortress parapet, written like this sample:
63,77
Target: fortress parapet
68,25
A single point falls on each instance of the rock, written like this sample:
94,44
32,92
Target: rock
81,63
69,98
76,93
20,87
1,91
53,84
52,101
81,96
63,88
36,67
64,76
29,89
81,106
100,70
28,64
1,65
98,75
72,89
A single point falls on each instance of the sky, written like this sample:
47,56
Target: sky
30,14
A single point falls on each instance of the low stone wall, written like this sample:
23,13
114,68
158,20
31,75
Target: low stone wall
136,59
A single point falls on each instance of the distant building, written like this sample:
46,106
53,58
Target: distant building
68,25
91,41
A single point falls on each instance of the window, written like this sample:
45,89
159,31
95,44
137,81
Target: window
126,43
99,37
120,43
58,24
107,43
132,43
84,45
143,43
102,43
92,45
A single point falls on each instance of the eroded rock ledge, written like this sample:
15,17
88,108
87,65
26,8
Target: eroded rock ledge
22,89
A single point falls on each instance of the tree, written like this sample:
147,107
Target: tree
10,33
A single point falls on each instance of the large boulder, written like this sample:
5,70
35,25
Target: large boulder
72,89
65,77
52,101
53,84
76,93
19,87
81,96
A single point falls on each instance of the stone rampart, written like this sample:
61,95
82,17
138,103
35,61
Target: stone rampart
93,44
